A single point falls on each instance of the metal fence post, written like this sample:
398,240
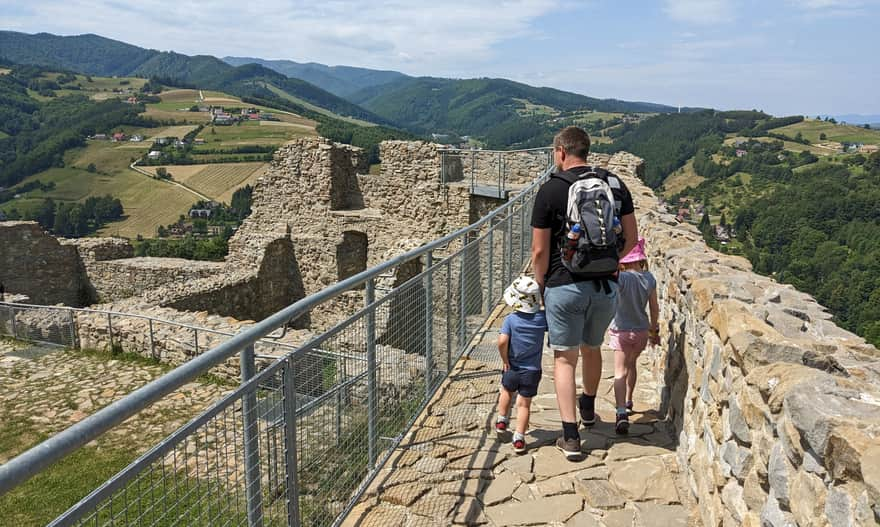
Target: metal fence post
372,399
74,336
473,170
152,341
449,314
522,233
491,265
429,323
500,169
110,330
508,243
290,453
196,339
14,328
462,327
251,442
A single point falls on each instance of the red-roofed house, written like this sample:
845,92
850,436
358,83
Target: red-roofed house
119,136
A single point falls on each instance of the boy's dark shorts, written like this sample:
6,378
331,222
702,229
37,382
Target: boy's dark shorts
524,382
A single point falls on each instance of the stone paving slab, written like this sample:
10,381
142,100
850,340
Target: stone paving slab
627,481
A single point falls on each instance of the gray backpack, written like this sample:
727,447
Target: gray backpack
591,205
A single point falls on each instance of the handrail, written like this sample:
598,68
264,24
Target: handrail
455,149
34,460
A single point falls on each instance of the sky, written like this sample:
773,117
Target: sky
782,56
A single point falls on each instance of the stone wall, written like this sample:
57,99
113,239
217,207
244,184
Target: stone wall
777,410
118,279
34,263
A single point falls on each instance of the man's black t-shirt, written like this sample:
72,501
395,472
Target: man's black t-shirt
550,212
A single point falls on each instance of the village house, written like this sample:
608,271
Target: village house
199,141
137,138
118,136
200,213
99,137
155,154
741,153
869,149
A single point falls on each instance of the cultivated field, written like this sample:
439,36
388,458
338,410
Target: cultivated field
219,181
174,131
148,202
787,145
811,129
250,133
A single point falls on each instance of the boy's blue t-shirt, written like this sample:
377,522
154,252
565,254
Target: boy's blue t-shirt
526,331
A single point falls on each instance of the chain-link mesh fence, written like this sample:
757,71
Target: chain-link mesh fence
298,442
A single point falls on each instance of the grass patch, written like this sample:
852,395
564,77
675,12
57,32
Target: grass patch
309,106
811,129
248,133
683,178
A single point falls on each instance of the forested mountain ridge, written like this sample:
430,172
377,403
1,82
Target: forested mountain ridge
482,107
90,54
338,80
95,55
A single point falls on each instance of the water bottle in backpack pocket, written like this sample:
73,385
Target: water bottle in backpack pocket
591,212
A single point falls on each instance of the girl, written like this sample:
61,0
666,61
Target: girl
630,329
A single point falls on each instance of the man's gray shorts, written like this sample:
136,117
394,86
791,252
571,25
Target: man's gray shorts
579,313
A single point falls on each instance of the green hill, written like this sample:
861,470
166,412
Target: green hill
94,55
89,54
498,110
338,80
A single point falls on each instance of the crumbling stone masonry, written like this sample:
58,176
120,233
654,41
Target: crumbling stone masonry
35,264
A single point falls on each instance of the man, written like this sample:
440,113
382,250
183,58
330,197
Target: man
578,309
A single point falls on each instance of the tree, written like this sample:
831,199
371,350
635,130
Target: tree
705,224
91,168
823,136
45,215
867,126
723,220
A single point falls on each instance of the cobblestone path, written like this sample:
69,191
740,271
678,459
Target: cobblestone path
452,469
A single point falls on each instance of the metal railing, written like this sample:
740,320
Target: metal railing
493,173
79,328
299,442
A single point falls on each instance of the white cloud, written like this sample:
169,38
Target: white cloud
702,12
425,36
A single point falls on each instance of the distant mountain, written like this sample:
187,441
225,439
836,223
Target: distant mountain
503,111
89,54
500,112
338,80
95,55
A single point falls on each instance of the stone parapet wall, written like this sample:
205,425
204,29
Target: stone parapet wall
35,264
118,279
777,410
100,249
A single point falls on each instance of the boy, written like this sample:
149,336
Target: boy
520,345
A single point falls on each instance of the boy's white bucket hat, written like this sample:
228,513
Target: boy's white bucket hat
524,294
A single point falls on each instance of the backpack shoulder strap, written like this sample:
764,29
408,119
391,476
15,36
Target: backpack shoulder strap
566,176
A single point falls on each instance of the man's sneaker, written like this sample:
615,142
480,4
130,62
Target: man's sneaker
587,406
570,447
519,445
500,427
622,424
